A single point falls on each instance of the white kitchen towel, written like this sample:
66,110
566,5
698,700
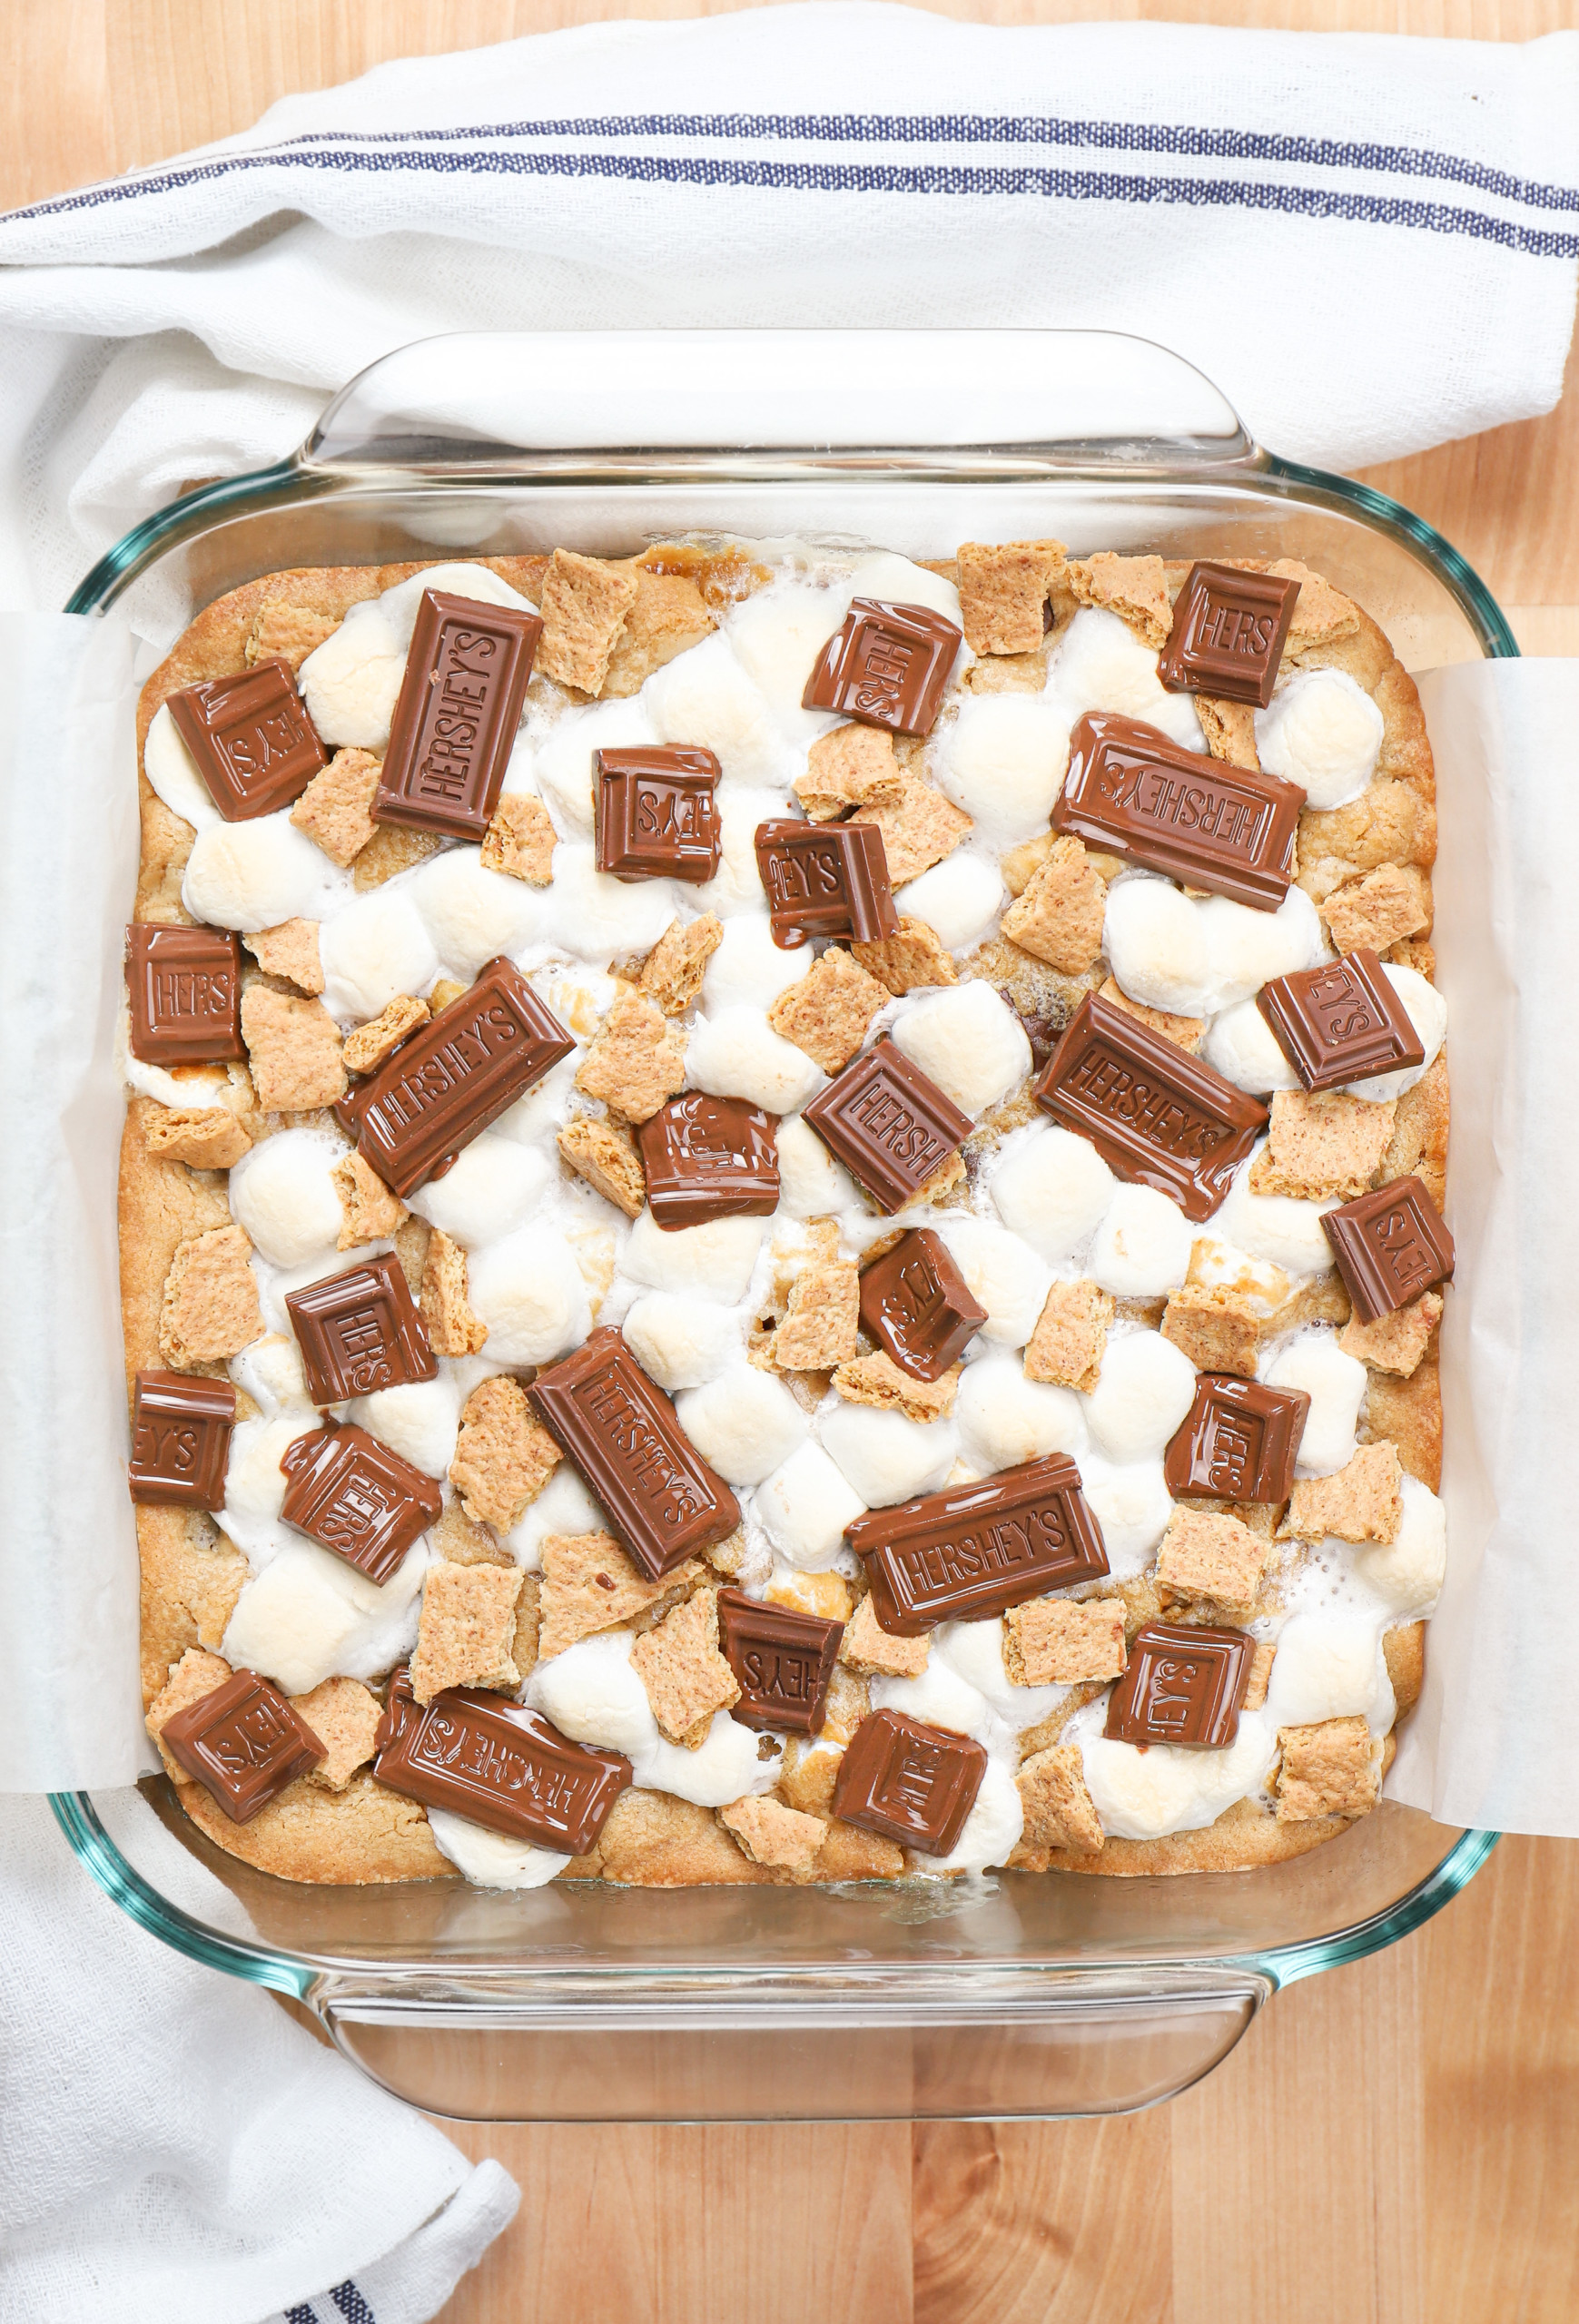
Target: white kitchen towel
1369,242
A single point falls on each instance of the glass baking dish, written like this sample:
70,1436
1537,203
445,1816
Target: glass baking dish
1018,1994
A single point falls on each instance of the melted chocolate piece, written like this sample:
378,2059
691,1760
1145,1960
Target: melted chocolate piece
1182,1685
1237,1442
360,1332
1155,1114
657,818
1132,793
180,1439
357,1497
783,1661
662,1500
1227,635
909,1783
887,666
825,879
454,722
709,1158
244,1743
252,739
482,1757
973,1551
890,1127
1390,1245
186,989
1341,1022
918,1306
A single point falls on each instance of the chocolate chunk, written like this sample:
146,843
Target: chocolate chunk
1390,1245
918,1306
887,666
662,1499
782,1661
909,1783
825,879
1182,1685
1342,1021
482,1757
185,990
1132,793
1227,635
709,1158
360,1332
971,1550
452,1078
357,1497
254,744
1154,1113
180,1439
657,818
244,1743
1239,1441
455,723
889,1126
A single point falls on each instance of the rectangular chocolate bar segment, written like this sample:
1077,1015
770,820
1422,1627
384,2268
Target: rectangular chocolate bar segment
482,1757
357,1498
1228,633
1239,1441
180,1439
184,985
918,1306
887,666
244,1743
657,818
1131,791
360,1332
1341,1022
911,1783
454,722
1182,1685
709,1158
783,1661
445,1084
1155,1114
889,1126
252,740
973,1551
663,1499
1390,1245
825,879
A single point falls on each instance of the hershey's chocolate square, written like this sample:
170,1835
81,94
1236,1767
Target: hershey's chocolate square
1182,1685
1227,635
889,1126
973,1551
709,1158
825,879
783,1659
887,666
1239,1441
1340,1021
360,1332
657,818
909,1783
254,744
497,1764
1390,1245
454,722
184,985
180,1439
244,1743
918,1306
357,1498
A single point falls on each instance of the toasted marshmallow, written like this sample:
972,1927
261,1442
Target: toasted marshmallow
529,1292
309,1615
351,683
737,1054
173,772
1279,1228
967,1041
678,1341
776,636
1102,665
811,1184
1004,1274
737,885
419,1420
715,1260
804,1508
1132,1506
591,1694
885,1457
1004,1418
1407,1574
255,874
492,1859
1336,1384
1002,761
374,950
492,1187
1324,732
1145,1388
1051,1188
1241,1046
938,1697
1168,951
283,1194
705,697
726,1766
744,1422
1326,1665
564,1506
271,1373
748,969
959,898
1142,1246
255,1482
1145,1794
562,763
596,917
472,915
991,1830
974,1652
897,580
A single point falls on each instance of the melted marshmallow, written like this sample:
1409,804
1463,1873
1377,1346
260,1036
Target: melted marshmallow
967,1041
1003,760
283,1193
1323,732
804,1508
744,1422
1051,1188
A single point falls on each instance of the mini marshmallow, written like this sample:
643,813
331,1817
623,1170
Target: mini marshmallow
1145,1388
173,772
990,1830
811,1184
1002,761
472,915
1005,1275
1145,1794
271,1373
374,950
938,1697
1247,947
1004,1418
703,696
419,1420
1279,1228
529,1292
897,580
283,1194
1323,732
776,636
1142,1246
967,1041
1102,665
885,1457
1326,1667
596,917
678,1341
1336,1384
544,1109
804,1508
725,1767
562,764
591,1694
1155,944
1427,1012
1051,1188
1408,1574
1241,1046
748,969
351,682
1132,1506
255,874
959,898
492,1859
492,1187
974,1652
737,1054
255,1482
737,885
715,1261
309,1615
563,1506
745,1423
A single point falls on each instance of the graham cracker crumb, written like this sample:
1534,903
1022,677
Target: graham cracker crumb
287,632
294,1049
1184,1032
461,1540
1071,1335
944,1180
529,1622
371,1213
1322,1143
453,1328
1230,728
1054,1641
607,1158
1320,614
1208,1555
393,847
1060,1812
855,766
1003,592
503,1456
290,951
1390,903
196,1674
1057,917
1133,587
669,615
520,840
1395,1342
466,1630
1008,673
829,1012
446,990
915,956
674,966
1218,1326
1360,1503
1329,1769
585,604
411,1238
344,1715
919,828
210,1307
770,1833
686,1677
1020,865
205,1138
589,1584
871,1651
1256,1686
822,1319
636,1062
877,1380
367,1045
335,810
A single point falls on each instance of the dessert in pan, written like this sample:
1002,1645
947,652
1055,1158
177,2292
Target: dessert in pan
780,1215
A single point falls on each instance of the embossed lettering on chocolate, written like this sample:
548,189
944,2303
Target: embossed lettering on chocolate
709,1158
909,1783
886,667
244,1743
357,1497
1239,1441
1341,1022
184,987
782,1661
360,1332
250,738
974,1550
657,818
825,879
1391,1244
454,722
1183,1684
1228,632
890,1127
180,1439
497,1764
1154,1113
918,1306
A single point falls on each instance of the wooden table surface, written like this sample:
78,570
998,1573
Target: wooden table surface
1390,2143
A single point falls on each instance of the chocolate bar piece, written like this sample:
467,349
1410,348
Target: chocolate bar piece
1154,1113
186,989
180,1439
357,1498
482,1757
657,818
1131,791
1237,1442
825,879
1341,1022
909,1783
252,739
445,1084
1182,1685
360,1332
1227,635
887,666
971,1550
918,1306
889,1126
1390,1245
709,1158
783,1661
454,722
663,1499
244,1743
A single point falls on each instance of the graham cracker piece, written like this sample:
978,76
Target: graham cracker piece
919,828
1261,1677
848,1702
877,1380
290,951
205,1138
829,1012
1060,1812
411,1239
1329,1769
1206,1553
1408,1415
453,1327
1217,1325
675,966
520,840
196,1674
1320,614
371,1212
503,1456
636,1062
466,1630
1008,673
1395,1342
871,1651
589,1584
1404,1652
585,604
1413,952
668,615
1058,916
1184,1032
294,1049
1056,1641
286,633
770,1833
446,990
367,1045
1380,910
1360,1503
1071,1335
1419,1141
1003,592
528,1623
915,956
344,1715
210,1308
392,849
1322,1143
1020,865
1133,587
686,1677
335,810
1230,728
821,1318
605,1155
855,766
461,1540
